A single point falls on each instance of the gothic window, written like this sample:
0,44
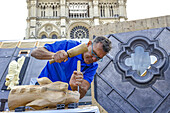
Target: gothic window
141,60
51,7
43,36
54,11
101,12
88,12
111,11
78,10
79,32
54,36
43,11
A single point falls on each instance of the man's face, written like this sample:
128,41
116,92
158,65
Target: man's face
95,52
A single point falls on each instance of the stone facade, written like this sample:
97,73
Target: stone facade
70,18
128,26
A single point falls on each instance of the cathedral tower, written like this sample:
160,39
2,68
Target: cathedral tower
55,19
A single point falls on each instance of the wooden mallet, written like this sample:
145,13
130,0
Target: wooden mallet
78,70
80,49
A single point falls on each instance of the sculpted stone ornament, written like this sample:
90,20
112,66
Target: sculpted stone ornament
12,78
47,94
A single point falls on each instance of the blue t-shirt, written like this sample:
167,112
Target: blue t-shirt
63,71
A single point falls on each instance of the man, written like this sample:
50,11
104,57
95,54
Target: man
64,68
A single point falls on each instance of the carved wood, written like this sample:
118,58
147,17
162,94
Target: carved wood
47,94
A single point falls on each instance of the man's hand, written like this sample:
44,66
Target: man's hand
60,56
76,80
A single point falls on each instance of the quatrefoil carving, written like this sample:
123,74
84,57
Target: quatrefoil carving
141,59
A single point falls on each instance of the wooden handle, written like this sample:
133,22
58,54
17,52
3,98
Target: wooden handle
78,66
78,70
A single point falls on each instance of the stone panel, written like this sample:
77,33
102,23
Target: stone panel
164,106
103,64
164,40
151,34
123,103
145,99
127,94
112,77
107,104
4,64
6,52
115,46
102,85
163,85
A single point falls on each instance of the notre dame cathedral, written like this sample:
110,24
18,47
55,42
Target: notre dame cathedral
56,19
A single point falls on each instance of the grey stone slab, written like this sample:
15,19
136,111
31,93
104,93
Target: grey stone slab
100,84
163,85
7,52
34,68
150,33
145,99
107,104
164,107
115,46
103,64
123,103
164,40
3,65
145,96
115,79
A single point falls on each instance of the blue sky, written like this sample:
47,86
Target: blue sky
14,13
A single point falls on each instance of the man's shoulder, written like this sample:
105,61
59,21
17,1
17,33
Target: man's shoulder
73,42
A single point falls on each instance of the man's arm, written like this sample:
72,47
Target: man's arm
84,88
77,80
43,54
